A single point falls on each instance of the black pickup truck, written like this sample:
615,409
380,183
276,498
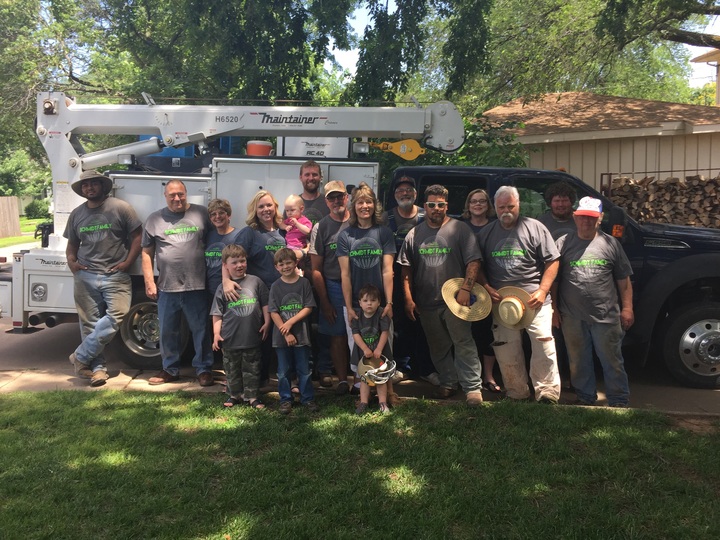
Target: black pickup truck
676,281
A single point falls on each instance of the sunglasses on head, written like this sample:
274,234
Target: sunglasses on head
432,205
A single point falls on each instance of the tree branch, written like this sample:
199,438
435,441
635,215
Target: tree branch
687,37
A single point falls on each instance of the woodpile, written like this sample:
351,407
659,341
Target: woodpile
693,201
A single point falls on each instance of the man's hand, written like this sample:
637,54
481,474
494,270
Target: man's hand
537,299
463,297
410,309
556,319
351,315
328,311
75,266
121,267
494,295
387,312
627,318
151,290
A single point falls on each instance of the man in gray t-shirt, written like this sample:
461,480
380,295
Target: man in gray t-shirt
103,242
436,250
593,268
175,238
519,251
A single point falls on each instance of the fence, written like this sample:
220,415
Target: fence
9,217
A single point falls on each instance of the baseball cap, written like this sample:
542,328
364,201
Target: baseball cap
589,206
405,180
336,186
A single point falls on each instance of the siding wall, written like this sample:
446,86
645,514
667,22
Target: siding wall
678,155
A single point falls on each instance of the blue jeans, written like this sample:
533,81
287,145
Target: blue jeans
580,338
295,359
171,307
102,300
452,349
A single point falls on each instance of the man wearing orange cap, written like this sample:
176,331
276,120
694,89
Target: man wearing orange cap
593,268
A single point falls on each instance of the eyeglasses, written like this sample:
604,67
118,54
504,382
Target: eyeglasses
432,205
333,197
478,201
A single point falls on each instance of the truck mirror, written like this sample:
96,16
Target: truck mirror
618,219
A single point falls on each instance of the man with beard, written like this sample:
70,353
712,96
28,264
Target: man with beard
175,235
327,283
519,252
409,342
310,178
103,242
593,268
560,197
436,250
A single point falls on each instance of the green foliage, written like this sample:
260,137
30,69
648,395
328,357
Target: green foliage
37,209
21,175
705,95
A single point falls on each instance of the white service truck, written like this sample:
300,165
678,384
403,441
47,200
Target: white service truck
42,285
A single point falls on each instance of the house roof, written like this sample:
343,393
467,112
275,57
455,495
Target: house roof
582,115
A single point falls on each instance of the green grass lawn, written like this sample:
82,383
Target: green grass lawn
26,226
174,465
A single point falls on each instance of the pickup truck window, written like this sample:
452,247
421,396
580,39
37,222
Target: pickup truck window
458,185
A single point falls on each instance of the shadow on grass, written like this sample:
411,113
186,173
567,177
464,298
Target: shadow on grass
139,465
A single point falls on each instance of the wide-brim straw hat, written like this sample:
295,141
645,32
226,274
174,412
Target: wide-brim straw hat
480,301
513,311
91,174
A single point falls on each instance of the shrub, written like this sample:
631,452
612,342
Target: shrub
37,209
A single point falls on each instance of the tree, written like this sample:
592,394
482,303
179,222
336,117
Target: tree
672,20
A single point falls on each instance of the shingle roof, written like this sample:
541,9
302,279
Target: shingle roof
583,112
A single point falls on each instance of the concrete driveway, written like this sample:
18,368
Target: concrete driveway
38,361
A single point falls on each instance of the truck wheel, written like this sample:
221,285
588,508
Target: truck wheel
692,344
137,344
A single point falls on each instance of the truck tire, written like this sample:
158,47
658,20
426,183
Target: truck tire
691,345
137,343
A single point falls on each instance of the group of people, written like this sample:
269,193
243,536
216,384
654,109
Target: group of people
377,281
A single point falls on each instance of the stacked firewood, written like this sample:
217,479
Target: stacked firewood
692,201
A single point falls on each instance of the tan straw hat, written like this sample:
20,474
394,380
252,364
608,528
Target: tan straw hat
513,311
479,307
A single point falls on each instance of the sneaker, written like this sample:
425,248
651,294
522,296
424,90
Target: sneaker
312,406
326,380
285,407
398,376
162,378
433,379
393,399
355,390
474,399
362,408
384,409
547,401
342,388
99,378
619,405
81,370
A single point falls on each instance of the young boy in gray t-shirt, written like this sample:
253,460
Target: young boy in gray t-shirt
241,326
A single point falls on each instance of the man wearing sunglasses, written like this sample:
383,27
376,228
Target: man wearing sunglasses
438,249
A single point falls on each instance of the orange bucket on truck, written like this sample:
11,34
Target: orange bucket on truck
259,148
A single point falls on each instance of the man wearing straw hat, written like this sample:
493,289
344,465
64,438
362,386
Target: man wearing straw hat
438,249
103,242
521,263
593,268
